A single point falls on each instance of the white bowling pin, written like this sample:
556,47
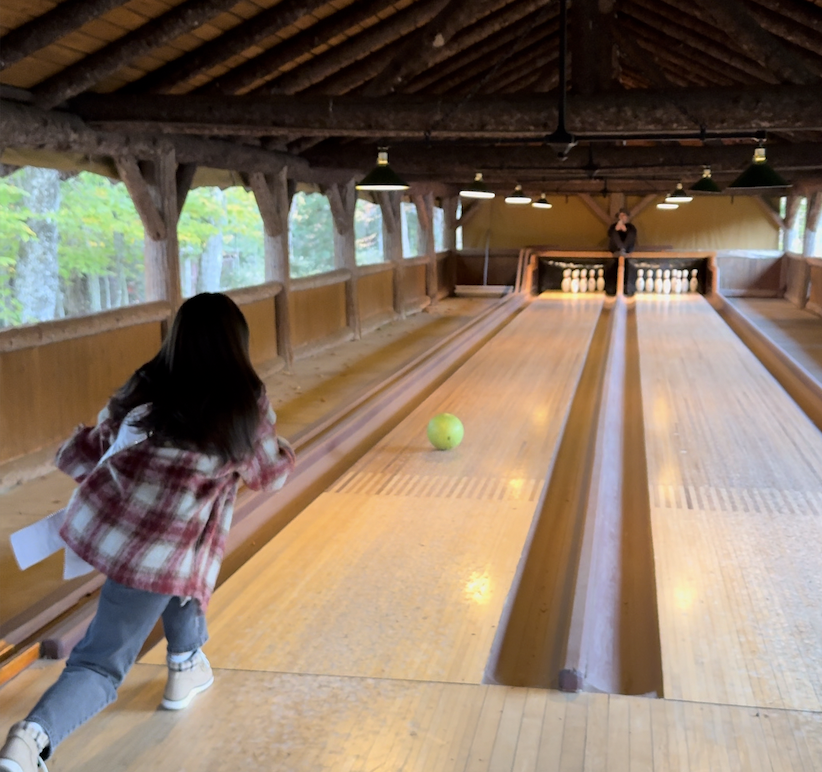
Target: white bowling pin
640,280
566,280
592,282
694,283
666,282
676,282
658,281
600,280
575,280
583,280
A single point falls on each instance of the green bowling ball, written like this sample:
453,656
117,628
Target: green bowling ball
445,431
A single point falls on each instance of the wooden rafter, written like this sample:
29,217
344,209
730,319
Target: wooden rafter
595,208
493,51
420,49
270,61
92,69
591,45
683,27
775,108
797,12
237,40
44,30
787,30
734,17
480,39
138,188
357,47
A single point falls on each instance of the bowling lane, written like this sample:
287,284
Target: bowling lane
735,482
402,567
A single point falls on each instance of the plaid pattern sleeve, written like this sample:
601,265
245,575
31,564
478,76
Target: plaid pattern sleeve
78,456
273,459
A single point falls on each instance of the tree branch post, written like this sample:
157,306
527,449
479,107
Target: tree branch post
273,194
390,203
343,202
425,214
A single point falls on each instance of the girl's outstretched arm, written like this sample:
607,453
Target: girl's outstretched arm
84,449
273,458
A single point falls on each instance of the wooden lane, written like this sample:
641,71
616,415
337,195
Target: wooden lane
735,481
401,568
310,723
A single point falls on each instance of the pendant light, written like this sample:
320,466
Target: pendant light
562,141
706,184
542,202
382,176
477,189
679,196
667,205
758,176
518,197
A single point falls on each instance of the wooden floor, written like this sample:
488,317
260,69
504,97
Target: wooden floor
796,331
356,640
317,386
735,478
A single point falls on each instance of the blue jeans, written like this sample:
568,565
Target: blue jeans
98,664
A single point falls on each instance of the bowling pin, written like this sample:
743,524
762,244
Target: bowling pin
666,282
600,280
592,282
676,282
575,280
640,280
583,280
658,282
694,283
566,280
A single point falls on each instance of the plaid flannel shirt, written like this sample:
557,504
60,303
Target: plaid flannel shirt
156,518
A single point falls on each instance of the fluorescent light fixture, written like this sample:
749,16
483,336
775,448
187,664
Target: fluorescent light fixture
382,176
518,197
477,189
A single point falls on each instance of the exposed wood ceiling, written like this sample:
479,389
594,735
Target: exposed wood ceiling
452,86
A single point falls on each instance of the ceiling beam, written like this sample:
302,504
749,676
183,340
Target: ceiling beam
235,41
45,29
733,16
420,160
801,13
269,62
30,127
77,78
368,41
788,108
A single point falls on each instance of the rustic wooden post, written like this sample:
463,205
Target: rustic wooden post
158,189
390,203
343,202
273,193
425,215
449,208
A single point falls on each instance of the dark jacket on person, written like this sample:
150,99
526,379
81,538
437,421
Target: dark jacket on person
622,241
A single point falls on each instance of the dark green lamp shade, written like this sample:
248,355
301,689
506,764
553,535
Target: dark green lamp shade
382,176
758,175
706,184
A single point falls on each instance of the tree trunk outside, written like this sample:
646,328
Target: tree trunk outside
37,282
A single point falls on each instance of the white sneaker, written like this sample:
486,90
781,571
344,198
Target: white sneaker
20,752
186,680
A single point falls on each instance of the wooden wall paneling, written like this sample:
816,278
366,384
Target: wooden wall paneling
376,297
45,391
751,276
317,313
414,286
815,296
262,325
797,279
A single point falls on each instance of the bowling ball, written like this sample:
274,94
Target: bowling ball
445,431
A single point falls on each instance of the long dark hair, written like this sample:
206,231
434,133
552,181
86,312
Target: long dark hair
201,385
